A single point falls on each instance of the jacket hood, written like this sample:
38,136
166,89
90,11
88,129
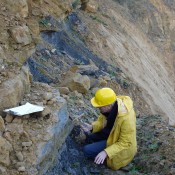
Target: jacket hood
125,105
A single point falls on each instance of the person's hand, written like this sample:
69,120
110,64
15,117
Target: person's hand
99,159
86,127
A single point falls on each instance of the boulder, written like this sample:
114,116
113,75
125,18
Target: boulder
5,148
21,35
9,118
77,82
89,6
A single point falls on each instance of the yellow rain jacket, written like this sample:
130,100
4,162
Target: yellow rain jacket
121,143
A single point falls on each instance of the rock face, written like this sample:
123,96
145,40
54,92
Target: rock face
13,90
56,135
5,148
18,6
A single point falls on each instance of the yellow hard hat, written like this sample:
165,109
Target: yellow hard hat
103,97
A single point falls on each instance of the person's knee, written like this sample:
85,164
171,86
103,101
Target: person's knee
86,150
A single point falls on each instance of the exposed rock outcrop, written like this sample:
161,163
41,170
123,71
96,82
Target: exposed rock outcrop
13,90
19,7
5,148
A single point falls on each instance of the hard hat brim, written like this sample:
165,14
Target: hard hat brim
94,103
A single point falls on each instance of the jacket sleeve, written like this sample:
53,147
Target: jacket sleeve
98,124
124,141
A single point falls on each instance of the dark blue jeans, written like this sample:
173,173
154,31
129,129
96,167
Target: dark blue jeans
96,146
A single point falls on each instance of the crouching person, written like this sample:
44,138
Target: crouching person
113,135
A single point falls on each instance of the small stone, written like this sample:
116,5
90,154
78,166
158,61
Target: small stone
39,103
64,90
44,102
162,162
26,116
20,164
33,171
7,136
50,102
54,100
10,74
20,156
102,82
81,102
37,126
76,94
53,50
17,120
89,6
25,137
106,78
47,96
21,169
27,144
9,118
3,8
45,112
4,74
65,97
25,148
48,53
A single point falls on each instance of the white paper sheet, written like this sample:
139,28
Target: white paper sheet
24,109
